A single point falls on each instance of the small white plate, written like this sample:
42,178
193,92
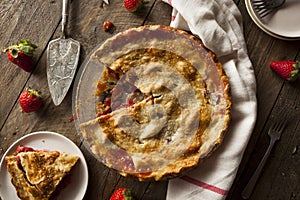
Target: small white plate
282,23
45,140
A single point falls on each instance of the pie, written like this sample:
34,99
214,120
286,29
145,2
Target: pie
38,174
161,102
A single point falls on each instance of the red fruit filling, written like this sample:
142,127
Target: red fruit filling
119,93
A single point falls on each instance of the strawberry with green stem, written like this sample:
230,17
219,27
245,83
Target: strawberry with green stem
121,194
30,100
287,69
21,54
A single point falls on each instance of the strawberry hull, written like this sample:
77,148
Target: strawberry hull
21,54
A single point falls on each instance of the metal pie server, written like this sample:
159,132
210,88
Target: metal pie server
62,60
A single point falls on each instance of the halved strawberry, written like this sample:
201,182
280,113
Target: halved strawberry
287,69
21,54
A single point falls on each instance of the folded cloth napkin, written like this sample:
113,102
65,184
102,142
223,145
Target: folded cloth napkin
218,23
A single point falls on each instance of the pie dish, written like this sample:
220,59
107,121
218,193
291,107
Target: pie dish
152,102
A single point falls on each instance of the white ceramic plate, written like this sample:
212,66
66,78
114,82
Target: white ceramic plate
282,23
48,141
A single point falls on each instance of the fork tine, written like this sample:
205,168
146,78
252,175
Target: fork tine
273,126
281,126
265,7
263,13
263,10
266,13
261,3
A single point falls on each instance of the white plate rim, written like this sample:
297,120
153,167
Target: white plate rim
6,188
258,22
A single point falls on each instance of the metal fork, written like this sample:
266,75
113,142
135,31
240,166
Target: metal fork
274,132
265,7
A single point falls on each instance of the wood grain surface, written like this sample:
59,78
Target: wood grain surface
39,21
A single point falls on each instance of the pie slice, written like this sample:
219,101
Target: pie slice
38,174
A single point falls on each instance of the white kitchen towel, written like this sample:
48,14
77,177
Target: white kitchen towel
218,23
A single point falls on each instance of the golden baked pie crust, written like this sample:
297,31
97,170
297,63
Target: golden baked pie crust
36,175
188,57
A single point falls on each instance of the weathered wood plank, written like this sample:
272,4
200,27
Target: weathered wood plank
23,20
160,14
280,180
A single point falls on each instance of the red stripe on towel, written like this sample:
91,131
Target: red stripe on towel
173,18
205,185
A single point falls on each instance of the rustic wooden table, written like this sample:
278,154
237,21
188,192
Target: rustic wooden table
39,20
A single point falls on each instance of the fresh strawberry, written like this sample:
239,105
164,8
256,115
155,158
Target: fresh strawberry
21,54
30,100
132,5
287,69
121,194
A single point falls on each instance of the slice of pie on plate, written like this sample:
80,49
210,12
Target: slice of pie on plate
38,174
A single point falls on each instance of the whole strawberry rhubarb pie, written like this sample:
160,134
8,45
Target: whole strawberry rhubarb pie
162,102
